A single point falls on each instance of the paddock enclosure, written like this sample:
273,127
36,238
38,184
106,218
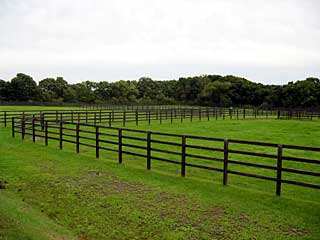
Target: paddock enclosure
104,130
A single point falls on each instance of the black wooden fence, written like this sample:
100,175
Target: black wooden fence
153,114
181,150
182,114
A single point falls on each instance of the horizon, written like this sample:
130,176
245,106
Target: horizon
55,77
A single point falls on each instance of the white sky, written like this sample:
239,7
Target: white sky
272,41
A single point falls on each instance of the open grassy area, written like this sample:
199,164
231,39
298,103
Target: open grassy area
58,194
40,108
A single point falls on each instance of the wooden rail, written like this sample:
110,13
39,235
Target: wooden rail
154,114
149,145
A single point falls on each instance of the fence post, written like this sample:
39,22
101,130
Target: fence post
120,145
60,135
171,116
244,113
183,156
42,120
86,116
100,116
97,141
109,119
23,127
78,137
124,118
137,118
5,119
149,118
33,131
12,126
95,118
46,133
71,115
149,150
225,162
279,170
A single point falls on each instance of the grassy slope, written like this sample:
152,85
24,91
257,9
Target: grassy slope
20,221
125,201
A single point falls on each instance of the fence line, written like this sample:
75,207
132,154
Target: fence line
152,143
124,116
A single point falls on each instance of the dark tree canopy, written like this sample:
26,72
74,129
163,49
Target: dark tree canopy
208,90
22,88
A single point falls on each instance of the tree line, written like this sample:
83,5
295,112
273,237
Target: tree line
207,90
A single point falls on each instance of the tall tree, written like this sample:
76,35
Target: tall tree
4,88
22,88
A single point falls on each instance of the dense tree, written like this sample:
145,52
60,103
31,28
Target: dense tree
147,88
209,90
103,92
4,87
22,88
188,89
84,92
216,93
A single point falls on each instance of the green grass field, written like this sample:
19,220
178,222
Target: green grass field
58,194
40,108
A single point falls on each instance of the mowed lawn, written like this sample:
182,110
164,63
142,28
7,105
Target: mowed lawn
58,194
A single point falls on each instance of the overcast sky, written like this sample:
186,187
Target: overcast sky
272,41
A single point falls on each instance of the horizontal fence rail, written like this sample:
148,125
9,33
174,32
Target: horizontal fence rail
186,151
156,114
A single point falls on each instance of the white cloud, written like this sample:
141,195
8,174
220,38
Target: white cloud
267,41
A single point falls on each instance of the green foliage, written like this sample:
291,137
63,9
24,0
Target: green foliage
4,87
22,88
53,90
209,90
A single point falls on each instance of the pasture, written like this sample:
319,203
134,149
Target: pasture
40,108
59,194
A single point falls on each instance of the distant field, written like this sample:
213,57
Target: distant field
4,108
58,194
303,132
